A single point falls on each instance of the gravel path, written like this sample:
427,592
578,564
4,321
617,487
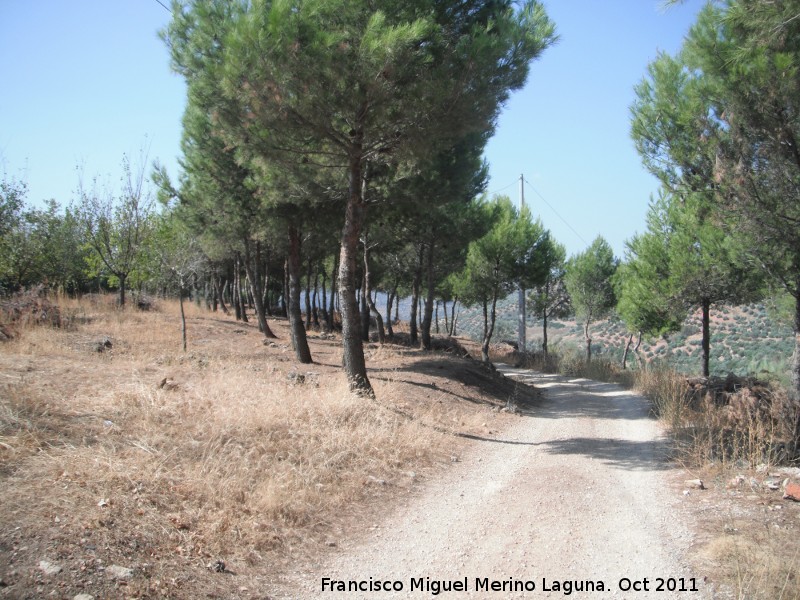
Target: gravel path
576,495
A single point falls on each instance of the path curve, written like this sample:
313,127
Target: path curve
577,491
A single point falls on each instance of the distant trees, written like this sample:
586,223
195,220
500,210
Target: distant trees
589,280
549,299
516,251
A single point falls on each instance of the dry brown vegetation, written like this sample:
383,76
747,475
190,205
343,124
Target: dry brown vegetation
208,473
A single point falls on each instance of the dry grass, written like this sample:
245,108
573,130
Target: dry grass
141,455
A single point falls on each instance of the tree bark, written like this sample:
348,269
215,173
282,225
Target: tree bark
314,300
239,288
436,317
285,295
415,285
122,279
364,310
625,352
636,351
353,350
428,314
183,317
324,303
706,307
372,308
255,285
332,307
298,331
796,358
235,298
220,294
544,332
390,297
308,296
452,331
488,327
588,341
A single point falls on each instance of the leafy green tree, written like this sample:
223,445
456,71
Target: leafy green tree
180,258
550,300
343,85
696,262
684,261
514,252
117,226
749,52
589,278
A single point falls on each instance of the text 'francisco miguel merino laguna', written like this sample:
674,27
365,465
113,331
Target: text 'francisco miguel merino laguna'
479,584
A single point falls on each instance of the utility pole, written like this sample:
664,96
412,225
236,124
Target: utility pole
521,322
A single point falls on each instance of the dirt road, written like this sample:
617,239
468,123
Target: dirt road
575,500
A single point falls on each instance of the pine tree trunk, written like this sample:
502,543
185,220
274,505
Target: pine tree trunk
324,304
285,295
314,301
488,327
436,317
372,308
706,304
308,296
183,317
415,290
235,298
796,358
452,331
428,314
218,286
390,297
544,333
364,310
331,307
446,320
240,289
588,341
255,285
352,348
298,332
625,352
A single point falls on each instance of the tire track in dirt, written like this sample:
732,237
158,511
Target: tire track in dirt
576,494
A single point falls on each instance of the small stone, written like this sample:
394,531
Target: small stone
118,572
49,568
695,484
792,492
736,481
83,597
772,484
330,544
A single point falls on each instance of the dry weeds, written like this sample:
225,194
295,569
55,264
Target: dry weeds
209,473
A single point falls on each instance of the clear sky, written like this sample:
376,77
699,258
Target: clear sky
87,81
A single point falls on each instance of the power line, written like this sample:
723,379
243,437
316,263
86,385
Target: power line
165,6
505,188
563,220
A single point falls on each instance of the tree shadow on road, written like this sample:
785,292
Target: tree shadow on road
652,455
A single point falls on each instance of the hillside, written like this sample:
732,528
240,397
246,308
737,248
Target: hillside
744,339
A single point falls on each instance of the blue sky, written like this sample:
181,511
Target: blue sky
88,81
